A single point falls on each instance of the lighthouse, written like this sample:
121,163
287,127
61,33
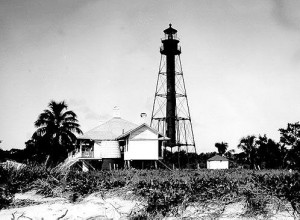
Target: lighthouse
171,113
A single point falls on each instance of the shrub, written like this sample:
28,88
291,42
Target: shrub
165,191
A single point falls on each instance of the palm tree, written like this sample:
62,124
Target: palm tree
56,126
249,146
222,147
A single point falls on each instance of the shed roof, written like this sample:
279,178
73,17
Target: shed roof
109,130
217,158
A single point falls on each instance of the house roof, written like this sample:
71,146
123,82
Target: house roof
217,158
109,130
147,126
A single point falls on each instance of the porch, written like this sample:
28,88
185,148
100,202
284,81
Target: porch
85,150
78,153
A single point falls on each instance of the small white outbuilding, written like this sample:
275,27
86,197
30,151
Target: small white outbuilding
217,162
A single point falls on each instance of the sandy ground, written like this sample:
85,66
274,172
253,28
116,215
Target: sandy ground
96,207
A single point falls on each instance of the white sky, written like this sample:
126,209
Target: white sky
241,63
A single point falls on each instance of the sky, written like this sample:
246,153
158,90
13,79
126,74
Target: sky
240,59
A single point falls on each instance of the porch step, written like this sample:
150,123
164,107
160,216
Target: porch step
67,164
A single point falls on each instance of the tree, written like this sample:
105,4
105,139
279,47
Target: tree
268,153
291,137
229,154
249,146
56,129
222,147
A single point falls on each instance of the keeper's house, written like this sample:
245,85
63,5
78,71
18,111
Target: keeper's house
217,162
118,143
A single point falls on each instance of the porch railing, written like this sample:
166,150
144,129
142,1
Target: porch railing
88,154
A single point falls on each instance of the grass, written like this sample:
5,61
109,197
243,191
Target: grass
166,192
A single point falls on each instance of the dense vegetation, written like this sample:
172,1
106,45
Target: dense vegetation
165,191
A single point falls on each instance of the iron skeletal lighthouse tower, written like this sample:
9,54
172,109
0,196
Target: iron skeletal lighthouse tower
170,113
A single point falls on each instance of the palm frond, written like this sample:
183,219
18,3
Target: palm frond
39,132
70,124
57,108
70,119
69,113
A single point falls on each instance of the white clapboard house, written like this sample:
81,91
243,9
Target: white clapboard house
217,162
118,143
